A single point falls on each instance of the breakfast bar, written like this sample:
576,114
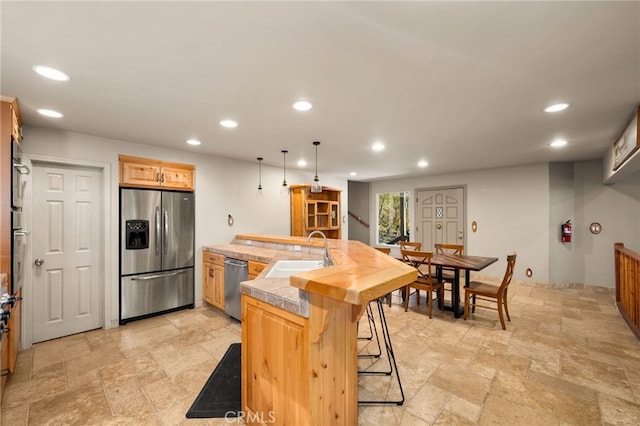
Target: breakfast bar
299,334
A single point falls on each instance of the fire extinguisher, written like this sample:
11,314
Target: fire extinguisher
565,231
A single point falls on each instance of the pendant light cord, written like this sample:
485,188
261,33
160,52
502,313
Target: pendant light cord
284,166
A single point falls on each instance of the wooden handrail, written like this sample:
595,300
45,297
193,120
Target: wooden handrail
627,269
358,218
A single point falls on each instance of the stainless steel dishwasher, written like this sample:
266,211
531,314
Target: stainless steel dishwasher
235,271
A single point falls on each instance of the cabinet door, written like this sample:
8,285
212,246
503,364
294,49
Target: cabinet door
207,282
15,125
334,219
310,212
139,174
177,177
255,268
15,329
218,286
279,342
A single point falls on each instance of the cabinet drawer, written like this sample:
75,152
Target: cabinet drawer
256,267
216,259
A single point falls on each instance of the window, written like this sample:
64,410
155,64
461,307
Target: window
393,217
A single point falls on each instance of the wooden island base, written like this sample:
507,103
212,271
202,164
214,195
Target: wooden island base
304,371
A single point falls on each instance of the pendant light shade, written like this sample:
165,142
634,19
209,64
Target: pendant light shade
316,187
284,188
259,173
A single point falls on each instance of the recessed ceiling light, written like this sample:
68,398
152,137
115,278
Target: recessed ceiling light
556,107
193,142
50,113
557,143
51,73
302,163
228,124
422,163
378,146
302,106
353,174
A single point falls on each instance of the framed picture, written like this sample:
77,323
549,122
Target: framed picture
627,143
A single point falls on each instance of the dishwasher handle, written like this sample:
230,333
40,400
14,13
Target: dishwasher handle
236,263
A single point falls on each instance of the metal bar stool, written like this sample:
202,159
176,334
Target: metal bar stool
373,333
391,358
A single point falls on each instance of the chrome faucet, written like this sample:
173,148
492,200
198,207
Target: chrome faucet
326,261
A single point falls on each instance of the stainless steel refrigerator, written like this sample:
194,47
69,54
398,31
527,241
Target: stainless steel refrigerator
156,252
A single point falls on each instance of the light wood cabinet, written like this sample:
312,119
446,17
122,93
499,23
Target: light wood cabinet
315,211
278,340
11,123
296,370
255,268
213,279
146,173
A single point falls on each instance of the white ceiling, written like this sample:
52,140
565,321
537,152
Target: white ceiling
459,84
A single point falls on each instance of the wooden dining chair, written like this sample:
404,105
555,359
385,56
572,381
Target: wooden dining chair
421,260
409,245
491,293
448,274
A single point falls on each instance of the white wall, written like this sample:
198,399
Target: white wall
521,208
617,208
359,205
223,187
562,208
510,206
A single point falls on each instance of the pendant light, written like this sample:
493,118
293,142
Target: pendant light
284,189
259,173
316,187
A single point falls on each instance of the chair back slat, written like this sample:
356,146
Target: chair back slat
453,249
385,250
421,260
508,274
410,245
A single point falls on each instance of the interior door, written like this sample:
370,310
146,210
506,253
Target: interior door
440,216
66,236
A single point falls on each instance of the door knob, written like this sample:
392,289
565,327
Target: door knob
39,262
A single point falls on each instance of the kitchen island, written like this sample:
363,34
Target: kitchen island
299,334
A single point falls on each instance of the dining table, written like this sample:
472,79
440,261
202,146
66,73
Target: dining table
458,263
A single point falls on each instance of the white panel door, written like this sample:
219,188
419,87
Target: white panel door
440,217
67,272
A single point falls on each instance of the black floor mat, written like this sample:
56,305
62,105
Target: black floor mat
220,396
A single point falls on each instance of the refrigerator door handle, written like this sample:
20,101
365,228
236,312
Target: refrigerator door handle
157,231
155,277
165,239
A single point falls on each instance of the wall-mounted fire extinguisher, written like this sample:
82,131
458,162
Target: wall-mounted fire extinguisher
565,231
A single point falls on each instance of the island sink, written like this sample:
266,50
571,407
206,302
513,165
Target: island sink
286,268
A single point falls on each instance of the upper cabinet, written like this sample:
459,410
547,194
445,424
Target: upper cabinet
315,211
146,173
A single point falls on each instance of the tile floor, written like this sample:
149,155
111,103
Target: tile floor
567,358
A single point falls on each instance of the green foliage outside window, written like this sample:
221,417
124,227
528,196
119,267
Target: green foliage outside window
393,217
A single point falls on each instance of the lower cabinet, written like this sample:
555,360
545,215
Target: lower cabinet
213,279
255,268
274,370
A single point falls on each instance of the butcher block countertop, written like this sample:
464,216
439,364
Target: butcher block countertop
358,273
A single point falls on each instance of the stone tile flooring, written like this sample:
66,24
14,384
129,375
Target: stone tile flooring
567,358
